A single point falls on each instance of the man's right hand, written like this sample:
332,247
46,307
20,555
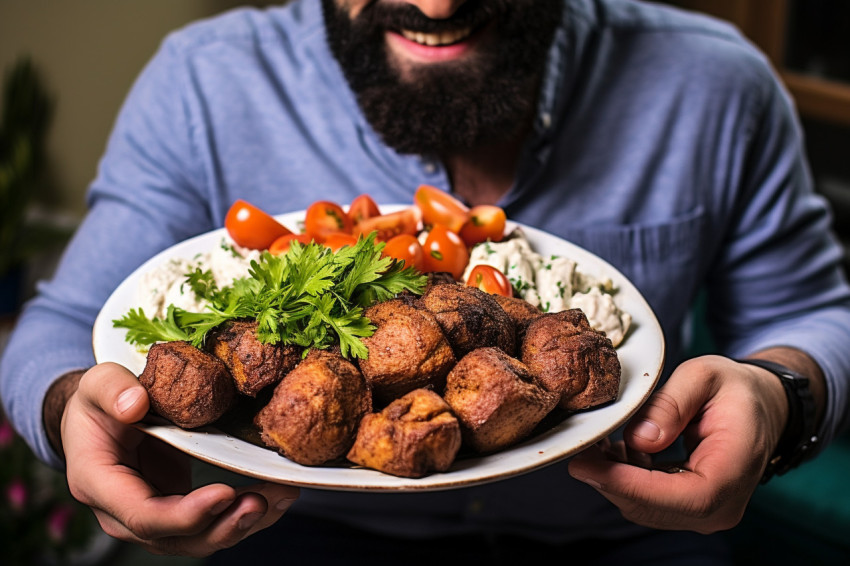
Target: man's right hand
140,488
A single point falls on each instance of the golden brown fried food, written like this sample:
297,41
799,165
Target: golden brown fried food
187,386
407,351
470,318
520,311
572,359
413,436
313,415
253,364
496,399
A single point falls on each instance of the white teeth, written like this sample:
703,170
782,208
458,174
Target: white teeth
433,39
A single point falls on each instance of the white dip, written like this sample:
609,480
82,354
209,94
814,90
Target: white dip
166,284
553,284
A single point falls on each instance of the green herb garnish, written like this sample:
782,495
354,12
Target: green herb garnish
310,297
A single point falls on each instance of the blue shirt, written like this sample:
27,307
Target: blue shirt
662,142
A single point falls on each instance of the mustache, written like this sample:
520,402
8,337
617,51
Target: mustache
473,14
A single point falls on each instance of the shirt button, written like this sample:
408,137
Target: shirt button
546,120
429,167
475,507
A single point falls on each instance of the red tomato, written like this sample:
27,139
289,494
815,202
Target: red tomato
361,208
439,207
445,251
490,280
324,218
405,221
486,222
339,239
405,247
252,228
281,245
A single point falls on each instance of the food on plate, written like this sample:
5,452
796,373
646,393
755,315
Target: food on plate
411,437
553,283
520,311
313,415
187,386
497,400
572,359
407,351
253,364
470,318
366,311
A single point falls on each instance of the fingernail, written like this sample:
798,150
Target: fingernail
592,483
647,430
248,521
284,504
127,399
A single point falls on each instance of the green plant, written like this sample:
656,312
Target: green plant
25,117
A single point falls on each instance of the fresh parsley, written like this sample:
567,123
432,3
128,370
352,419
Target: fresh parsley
309,296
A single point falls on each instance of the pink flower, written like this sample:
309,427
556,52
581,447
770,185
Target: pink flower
16,494
57,522
6,434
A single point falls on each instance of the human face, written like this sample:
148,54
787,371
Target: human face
437,76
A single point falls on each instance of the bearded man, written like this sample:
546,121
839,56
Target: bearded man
657,139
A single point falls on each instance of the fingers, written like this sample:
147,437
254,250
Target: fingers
115,391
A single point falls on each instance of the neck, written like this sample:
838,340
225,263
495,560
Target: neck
483,175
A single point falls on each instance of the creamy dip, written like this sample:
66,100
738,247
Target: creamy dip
553,283
166,284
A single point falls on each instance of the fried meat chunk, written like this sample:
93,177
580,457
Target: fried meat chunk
572,359
496,399
313,415
407,351
253,364
411,437
520,311
470,318
187,386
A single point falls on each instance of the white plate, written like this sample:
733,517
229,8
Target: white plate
641,357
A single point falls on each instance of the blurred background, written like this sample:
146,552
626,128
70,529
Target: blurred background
66,68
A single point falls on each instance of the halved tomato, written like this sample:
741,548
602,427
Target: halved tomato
439,207
405,221
445,251
361,208
490,280
405,247
485,222
282,244
324,218
339,239
251,227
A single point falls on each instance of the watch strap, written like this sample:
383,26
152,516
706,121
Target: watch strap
800,435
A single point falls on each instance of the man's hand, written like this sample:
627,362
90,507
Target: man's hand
140,488
731,416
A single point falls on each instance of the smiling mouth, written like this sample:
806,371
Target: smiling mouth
437,39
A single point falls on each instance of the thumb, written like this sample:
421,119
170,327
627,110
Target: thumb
669,410
114,390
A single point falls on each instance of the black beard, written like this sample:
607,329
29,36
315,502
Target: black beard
444,108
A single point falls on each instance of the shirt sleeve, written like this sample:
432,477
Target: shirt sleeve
148,194
779,280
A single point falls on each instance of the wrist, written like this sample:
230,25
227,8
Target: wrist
55,401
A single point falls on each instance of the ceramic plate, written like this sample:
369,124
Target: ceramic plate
235,447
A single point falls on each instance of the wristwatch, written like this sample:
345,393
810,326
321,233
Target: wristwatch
800,434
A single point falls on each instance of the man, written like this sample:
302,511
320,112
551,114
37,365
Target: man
656,139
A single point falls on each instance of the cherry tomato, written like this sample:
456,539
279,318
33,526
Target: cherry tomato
281,245
439,207
324,218
361,208
486,222
490,280
406,247
339,239
251,227
405,221
445,251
